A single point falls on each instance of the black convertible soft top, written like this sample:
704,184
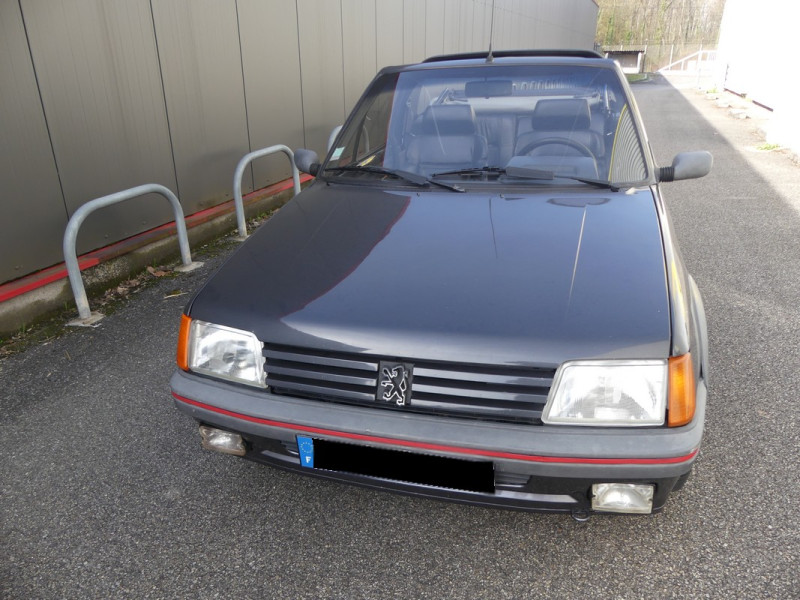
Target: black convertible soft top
511,53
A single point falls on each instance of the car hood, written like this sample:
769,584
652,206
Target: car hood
531,278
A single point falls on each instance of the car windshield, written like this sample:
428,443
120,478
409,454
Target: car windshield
542,123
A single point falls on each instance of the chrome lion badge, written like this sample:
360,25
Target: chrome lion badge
395,383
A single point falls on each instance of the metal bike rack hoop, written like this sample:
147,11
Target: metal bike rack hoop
237,181
85,316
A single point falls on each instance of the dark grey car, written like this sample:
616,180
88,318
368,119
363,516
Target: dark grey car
479,298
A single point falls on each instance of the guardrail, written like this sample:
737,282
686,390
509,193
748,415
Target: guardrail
86,317
237,181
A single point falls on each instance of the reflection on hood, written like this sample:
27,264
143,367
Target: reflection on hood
472,277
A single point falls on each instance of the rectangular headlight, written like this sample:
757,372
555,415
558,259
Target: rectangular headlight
226,353
608,393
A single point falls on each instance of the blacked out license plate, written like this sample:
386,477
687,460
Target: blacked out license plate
397,465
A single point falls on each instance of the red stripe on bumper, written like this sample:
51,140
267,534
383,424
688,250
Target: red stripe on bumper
439,447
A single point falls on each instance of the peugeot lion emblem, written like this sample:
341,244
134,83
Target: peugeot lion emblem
395,383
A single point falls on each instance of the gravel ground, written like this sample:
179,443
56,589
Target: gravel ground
106,493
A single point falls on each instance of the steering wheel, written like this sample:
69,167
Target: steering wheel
583,150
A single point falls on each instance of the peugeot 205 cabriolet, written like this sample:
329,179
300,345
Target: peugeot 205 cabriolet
479,298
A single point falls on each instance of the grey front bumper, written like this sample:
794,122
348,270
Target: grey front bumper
553,459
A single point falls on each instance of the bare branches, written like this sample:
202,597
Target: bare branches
659,21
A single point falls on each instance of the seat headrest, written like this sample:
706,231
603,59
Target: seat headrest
561,115
449,119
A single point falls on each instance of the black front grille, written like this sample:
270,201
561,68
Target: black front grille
496,393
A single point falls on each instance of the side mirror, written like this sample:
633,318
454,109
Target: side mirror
306,161
687,165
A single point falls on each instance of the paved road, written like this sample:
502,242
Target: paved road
106,493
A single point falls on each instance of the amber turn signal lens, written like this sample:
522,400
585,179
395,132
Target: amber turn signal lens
183,342
680,409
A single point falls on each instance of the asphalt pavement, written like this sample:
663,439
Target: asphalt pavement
106,492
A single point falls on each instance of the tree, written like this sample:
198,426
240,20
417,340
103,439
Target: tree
659,22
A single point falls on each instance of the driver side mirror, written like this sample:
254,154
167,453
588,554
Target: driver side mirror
687,165
306,161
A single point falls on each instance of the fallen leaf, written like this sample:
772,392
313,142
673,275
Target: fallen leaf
156,272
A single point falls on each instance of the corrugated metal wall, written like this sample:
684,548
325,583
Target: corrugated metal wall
100,95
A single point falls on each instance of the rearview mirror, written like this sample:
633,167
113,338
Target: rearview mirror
306,161
488,89
687,165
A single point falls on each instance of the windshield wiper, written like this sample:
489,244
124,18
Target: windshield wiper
543,175
414,178
530,173
472,171
606,185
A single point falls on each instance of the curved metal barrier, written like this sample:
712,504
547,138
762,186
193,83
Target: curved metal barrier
333,135
85,316
237,181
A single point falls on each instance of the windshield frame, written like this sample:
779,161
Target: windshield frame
401,77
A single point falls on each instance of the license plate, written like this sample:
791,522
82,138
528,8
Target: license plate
397,465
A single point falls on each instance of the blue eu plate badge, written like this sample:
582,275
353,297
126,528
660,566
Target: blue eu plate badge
306,447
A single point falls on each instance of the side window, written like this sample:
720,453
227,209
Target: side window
371,136
364,140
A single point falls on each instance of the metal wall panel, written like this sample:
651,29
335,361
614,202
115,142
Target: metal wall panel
108,94
201,64
101,91
271,65
389,27
549,27
34,215
504,20
567,23
584,17
521,32
359,45
519,37
413,30
481,21
452,26
465,27
434,28
321,67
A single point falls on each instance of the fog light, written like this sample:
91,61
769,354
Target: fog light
222,441
623,497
